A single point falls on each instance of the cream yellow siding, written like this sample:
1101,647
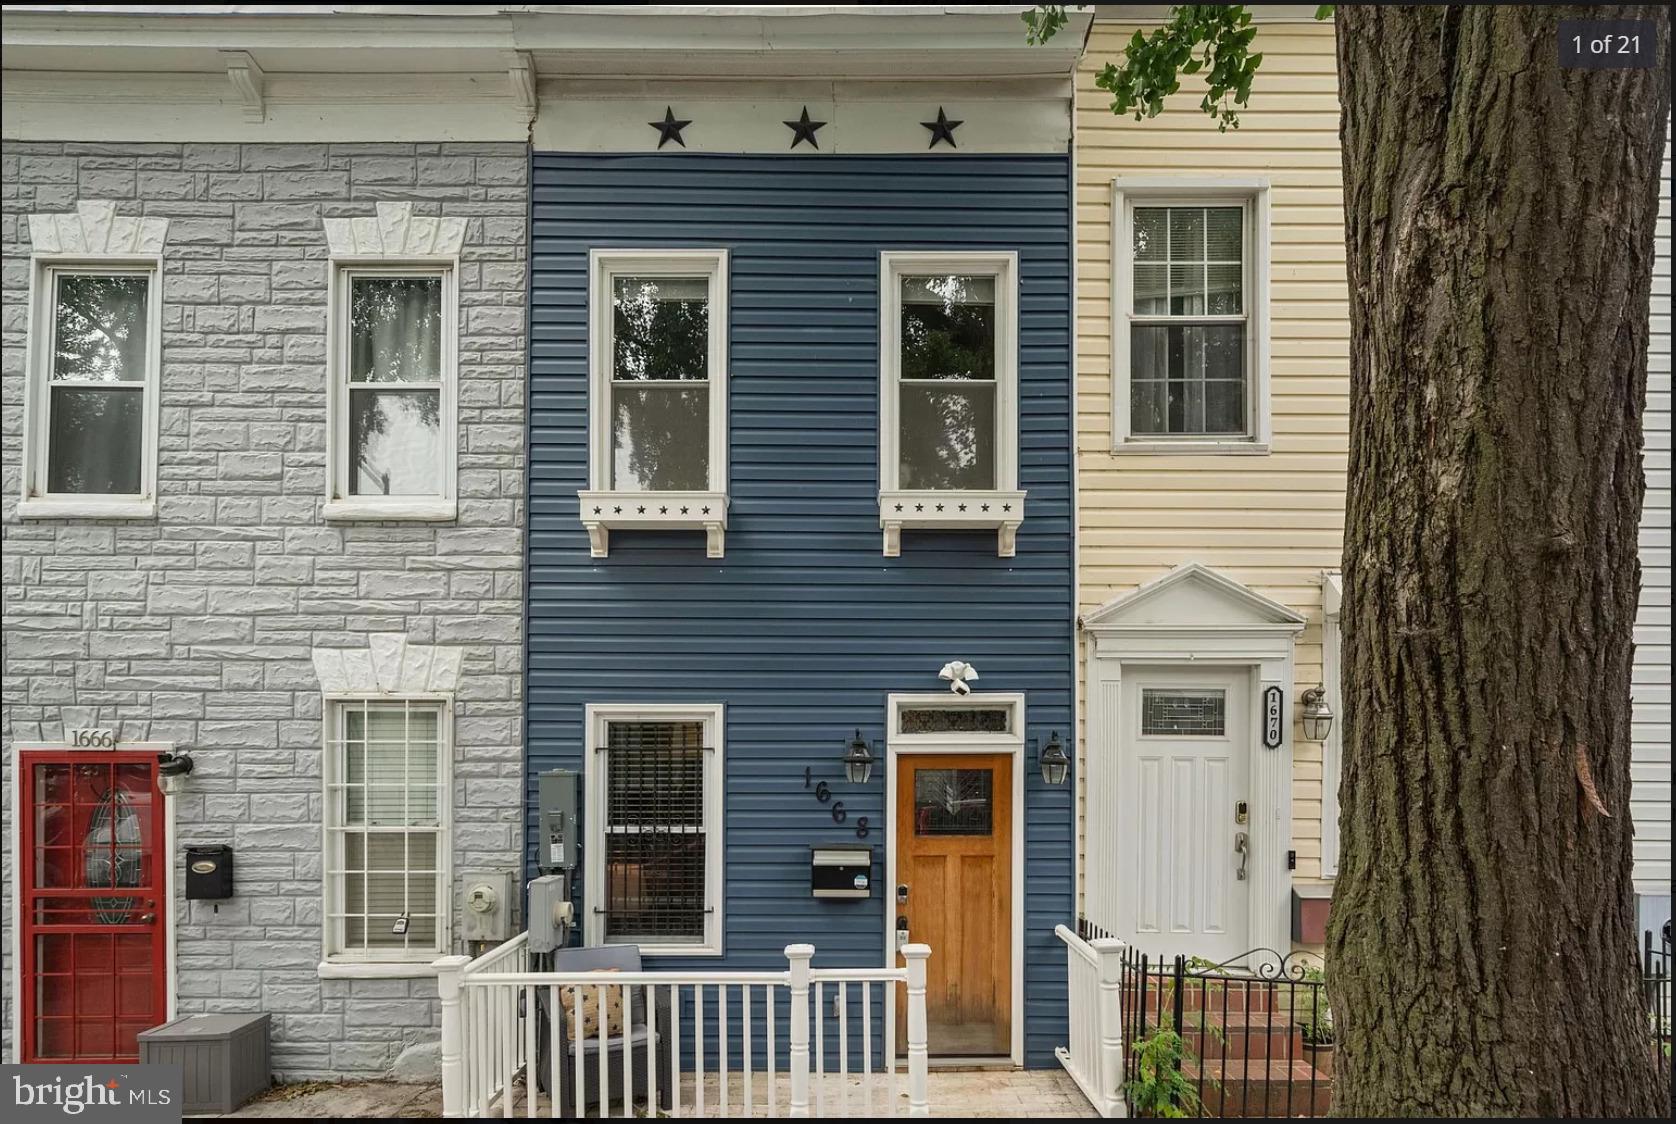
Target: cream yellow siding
1273,521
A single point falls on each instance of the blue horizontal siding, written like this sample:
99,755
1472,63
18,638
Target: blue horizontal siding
804,628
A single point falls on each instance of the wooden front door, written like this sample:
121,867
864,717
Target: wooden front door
94,907
954,854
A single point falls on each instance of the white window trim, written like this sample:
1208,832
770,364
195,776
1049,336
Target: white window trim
1001,507
34,501
1332,749
603,508
340,504
595,717
388,964
1252,194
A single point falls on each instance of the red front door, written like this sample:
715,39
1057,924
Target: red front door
94,902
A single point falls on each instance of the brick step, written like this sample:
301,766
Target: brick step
1238,1087
1262,1035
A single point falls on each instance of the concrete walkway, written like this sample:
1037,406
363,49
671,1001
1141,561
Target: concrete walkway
953,1093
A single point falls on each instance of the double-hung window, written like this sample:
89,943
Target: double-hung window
93,389
1190,317
653,815
393,363
657,408
948,411
387,807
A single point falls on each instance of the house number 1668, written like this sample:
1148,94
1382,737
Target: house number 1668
823,793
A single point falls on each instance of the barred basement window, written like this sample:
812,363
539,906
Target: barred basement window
654,809
387,786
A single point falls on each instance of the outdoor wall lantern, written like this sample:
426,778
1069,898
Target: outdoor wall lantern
858,760
1056,766
1317,715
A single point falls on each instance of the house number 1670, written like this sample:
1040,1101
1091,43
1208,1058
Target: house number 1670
823,793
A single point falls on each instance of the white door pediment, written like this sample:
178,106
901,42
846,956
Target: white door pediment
1194,597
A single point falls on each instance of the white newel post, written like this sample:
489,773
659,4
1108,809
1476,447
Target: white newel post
799,955
1109,1018
916,956
448,972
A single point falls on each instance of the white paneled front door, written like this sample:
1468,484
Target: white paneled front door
1184,786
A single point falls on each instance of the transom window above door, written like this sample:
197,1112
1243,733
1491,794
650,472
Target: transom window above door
393,393
92,391
948,414
657,409
1190,312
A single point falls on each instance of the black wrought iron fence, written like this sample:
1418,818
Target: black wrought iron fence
1655,993
1244,1038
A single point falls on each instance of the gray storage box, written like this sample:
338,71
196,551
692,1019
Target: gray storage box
223,1058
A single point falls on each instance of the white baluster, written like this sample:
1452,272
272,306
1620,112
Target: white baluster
721,1046
453,1034
770,997
916,955
555,1050
698,1049
532,1055
508,1048
799,955
604,1053
745,1045
628,1053
820,1048
575,1044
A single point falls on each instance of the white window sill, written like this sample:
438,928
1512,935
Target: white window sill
951,511
649,950
376,969
604,512
368,510
1188,447
32,507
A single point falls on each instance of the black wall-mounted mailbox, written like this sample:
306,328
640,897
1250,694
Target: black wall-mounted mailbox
209,871
841,872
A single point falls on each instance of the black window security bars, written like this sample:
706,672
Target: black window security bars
1253,1037
1655,991
654,832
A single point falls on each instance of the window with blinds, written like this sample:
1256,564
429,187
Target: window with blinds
656,800
386,817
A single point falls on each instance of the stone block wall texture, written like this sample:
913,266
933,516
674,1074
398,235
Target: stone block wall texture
196,627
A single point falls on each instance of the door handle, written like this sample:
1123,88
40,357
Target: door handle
1242,848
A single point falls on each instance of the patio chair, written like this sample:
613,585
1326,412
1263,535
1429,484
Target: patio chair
624,958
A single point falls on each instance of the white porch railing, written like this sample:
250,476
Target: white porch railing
1094,1059
492,1011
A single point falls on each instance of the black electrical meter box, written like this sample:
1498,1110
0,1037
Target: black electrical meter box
841,872
209,871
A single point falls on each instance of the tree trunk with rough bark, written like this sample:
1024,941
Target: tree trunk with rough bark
1499,220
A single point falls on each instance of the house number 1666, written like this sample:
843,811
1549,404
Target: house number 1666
823,793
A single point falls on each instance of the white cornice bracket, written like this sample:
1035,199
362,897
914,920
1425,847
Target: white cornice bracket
250,82
520,73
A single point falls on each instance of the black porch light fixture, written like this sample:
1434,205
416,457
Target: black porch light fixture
1317,714
858,760
1056,766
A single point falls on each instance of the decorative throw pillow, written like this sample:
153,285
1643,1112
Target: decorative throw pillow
589,1023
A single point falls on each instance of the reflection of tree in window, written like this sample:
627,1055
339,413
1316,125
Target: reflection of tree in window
95,433
660,401
396,338
947,411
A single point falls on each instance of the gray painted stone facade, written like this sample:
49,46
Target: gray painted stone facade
196,628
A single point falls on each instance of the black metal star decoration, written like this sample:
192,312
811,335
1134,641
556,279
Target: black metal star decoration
669,129
942,129
803,129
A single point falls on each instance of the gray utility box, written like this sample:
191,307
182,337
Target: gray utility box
223,1058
